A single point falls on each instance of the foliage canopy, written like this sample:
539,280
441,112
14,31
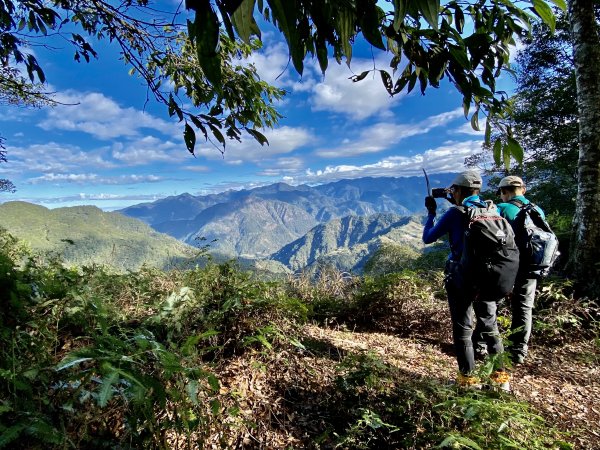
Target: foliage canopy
466,42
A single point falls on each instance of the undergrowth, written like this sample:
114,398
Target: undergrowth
94,359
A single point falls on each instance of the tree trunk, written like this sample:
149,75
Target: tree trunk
585,247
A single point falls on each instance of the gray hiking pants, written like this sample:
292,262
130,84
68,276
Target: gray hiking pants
521,303
462,305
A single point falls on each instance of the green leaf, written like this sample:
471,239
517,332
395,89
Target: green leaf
430,10
189,136
207,44
399,13
217,134
106,390
322,56
213,382
215,407
243,20
368,16
459,19
69,362
515,149
174,108
506,156
475,120
345,25
11,433
488,132
262,140
400,84
192,391
356,78
387,82
562,4
542,9
460,56
284,15
497,152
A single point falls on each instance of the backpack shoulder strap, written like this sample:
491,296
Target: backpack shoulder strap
518,203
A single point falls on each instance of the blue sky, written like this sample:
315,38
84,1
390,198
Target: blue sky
110,147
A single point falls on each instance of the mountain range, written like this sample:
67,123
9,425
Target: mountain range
276,228
255,223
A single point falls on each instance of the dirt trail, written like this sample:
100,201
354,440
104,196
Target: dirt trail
562,383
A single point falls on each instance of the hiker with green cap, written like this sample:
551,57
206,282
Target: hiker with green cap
463,298
511,190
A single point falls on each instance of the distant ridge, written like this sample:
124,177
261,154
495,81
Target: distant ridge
348,242
254,223
86,235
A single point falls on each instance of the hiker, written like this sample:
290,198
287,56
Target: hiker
465,191
512,192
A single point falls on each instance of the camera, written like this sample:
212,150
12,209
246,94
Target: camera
439,192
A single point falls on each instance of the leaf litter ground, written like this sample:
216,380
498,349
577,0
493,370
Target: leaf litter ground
289,398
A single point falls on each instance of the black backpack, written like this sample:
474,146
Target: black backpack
490,258
538,245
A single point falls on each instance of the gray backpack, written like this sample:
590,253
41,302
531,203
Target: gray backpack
538,245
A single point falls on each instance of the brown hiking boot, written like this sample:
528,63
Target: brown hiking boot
500,379
468,381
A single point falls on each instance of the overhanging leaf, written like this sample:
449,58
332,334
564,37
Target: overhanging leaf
387,82
488,132
260,138
545,13
207,44
498,152
430,10
399,13
560,3
356,78
506,156
243,20
189,136
475,120
515,149
369,22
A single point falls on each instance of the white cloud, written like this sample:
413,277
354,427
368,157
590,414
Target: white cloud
273,66
100,116
55,157
360,100
197,168
282,140
382,136
94,179
446,158
282,166
149,149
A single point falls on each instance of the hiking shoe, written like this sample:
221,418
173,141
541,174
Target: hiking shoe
517,359
468,381
480,353
500,379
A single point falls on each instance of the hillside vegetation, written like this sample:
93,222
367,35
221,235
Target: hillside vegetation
215,358
86,235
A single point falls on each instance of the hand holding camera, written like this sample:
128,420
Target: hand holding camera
431,205
443,193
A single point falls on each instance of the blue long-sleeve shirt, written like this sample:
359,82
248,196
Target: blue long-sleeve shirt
451,223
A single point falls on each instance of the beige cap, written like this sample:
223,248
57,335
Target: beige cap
470,179
511,180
